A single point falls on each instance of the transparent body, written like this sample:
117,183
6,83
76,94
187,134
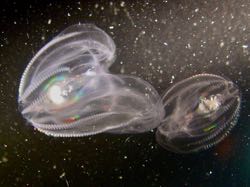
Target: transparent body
200,112
66,90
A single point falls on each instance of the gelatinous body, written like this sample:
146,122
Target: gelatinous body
66,89
200,111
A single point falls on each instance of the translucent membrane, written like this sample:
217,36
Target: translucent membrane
200,111
67,91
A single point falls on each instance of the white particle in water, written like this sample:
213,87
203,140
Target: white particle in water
244,46
62,175
222,44
122,70
120,177
233,39
122,4
172,79
4,159
196,10
49,21
111,27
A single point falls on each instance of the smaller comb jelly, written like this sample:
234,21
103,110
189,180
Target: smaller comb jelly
200,112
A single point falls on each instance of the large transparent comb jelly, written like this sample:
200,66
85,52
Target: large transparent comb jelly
66,89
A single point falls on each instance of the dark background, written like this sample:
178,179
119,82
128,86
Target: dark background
160,41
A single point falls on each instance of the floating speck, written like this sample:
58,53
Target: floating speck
172,79
62,175
96,5
222,44
4,159
122,70
122,4
209,173
120,177
196,10
244,46
49,21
